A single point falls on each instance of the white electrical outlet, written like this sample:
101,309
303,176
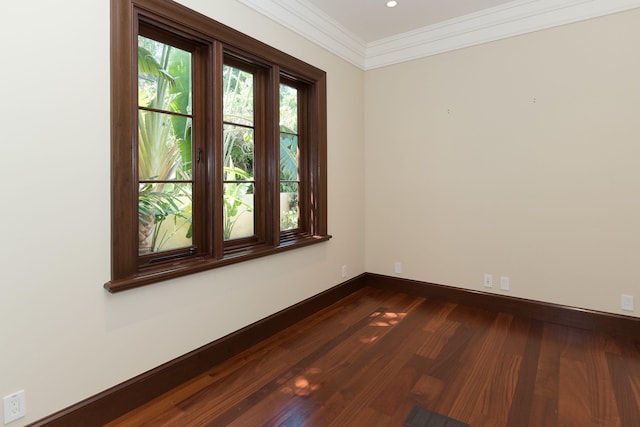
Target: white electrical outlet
397,267
344,271
488,280
504,283
14,406
626,302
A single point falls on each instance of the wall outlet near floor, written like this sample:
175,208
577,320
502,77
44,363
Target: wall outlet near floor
504,283
344,271
488,280
397,267
626,302
14,406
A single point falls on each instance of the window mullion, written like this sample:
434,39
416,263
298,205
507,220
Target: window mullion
216,158
305,164
203,141
260,167
272,105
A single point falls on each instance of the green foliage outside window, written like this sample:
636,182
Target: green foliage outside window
164,145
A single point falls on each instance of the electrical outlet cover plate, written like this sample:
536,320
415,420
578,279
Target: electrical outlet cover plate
14,407
397,267
488,280
626,302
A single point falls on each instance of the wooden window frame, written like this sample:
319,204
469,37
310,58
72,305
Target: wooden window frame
303,162
212,42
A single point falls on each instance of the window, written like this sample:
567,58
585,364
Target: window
218,146
289,158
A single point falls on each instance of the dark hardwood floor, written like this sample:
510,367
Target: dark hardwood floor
367,360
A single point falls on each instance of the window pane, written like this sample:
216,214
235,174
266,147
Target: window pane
164,76
238,153
288,157
289,209
238,210
164,146
238,96
288,109
164,217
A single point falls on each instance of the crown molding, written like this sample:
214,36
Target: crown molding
508,20
501,22
310,22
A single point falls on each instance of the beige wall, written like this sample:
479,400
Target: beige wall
517,158
465,174
63,338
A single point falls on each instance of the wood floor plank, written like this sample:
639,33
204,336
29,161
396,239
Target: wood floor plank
573,399
497,396
544,406
623,389
368,359
323,360
436,340
381,365
601,396
427,390
484,367
520,410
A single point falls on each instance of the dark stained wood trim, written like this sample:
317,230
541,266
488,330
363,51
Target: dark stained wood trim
116,401
203,264
123,173
614,324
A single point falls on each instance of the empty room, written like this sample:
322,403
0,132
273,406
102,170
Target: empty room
316,212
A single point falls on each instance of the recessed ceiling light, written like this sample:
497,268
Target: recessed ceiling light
392,3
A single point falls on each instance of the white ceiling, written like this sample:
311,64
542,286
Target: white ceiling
372,20
369,35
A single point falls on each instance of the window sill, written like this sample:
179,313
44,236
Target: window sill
183,268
